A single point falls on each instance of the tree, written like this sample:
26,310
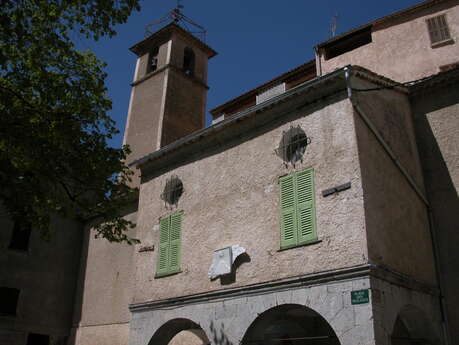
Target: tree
54,157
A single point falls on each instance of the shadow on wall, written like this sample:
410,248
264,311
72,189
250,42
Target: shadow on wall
218,337
437,125
231,278
79,288
413,327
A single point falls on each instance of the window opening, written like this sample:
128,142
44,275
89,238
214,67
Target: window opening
37,339
8,300
172,191
347,43
438,29
188,61
20,236
297,209
270,93
293,145
170,228
153,60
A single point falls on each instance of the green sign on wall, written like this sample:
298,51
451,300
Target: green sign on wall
360,296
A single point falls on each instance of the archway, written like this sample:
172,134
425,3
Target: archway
412,327
290,324
180,332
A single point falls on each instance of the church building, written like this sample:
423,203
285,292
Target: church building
320,208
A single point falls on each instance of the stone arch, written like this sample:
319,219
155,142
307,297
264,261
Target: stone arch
290,324
413,327
179,332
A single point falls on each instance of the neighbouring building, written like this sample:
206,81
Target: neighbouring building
38,282
318,208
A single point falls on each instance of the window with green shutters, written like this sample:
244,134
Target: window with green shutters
170,228
297,208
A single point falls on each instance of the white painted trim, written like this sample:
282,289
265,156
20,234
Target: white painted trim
219,118
169,52
136,72
128,120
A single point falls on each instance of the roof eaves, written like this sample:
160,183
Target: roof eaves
235,118
246,113
215,111
434,80
138,48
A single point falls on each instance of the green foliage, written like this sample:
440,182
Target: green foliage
54,126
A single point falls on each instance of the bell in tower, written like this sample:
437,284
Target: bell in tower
168,97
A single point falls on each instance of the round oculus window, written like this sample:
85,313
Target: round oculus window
172,191
293,145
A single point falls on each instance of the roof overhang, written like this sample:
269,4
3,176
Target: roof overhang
164,34
295,99
251,93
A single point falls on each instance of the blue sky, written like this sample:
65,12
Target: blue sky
255,40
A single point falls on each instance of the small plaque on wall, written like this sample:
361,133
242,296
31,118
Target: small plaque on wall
360,296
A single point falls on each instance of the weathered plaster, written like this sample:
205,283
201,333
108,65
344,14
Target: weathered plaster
401,48
437,125
105,291
226,203
111,334
396,217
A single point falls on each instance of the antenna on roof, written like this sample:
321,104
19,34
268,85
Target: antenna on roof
177,17
333,25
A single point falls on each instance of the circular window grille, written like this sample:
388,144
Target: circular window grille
173,190
293,145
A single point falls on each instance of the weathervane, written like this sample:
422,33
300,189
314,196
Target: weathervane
177,17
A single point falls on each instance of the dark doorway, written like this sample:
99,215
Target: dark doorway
290,324
179,332
413,328
37,339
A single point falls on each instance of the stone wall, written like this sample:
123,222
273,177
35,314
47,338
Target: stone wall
225,320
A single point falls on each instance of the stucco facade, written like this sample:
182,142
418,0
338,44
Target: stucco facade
401,48
436,109
105,290
226,204
231,196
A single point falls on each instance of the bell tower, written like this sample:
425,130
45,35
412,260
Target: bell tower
168,96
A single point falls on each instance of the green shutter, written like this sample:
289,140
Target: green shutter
298,220
169,244
288,211
163,255
175,242
305,204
